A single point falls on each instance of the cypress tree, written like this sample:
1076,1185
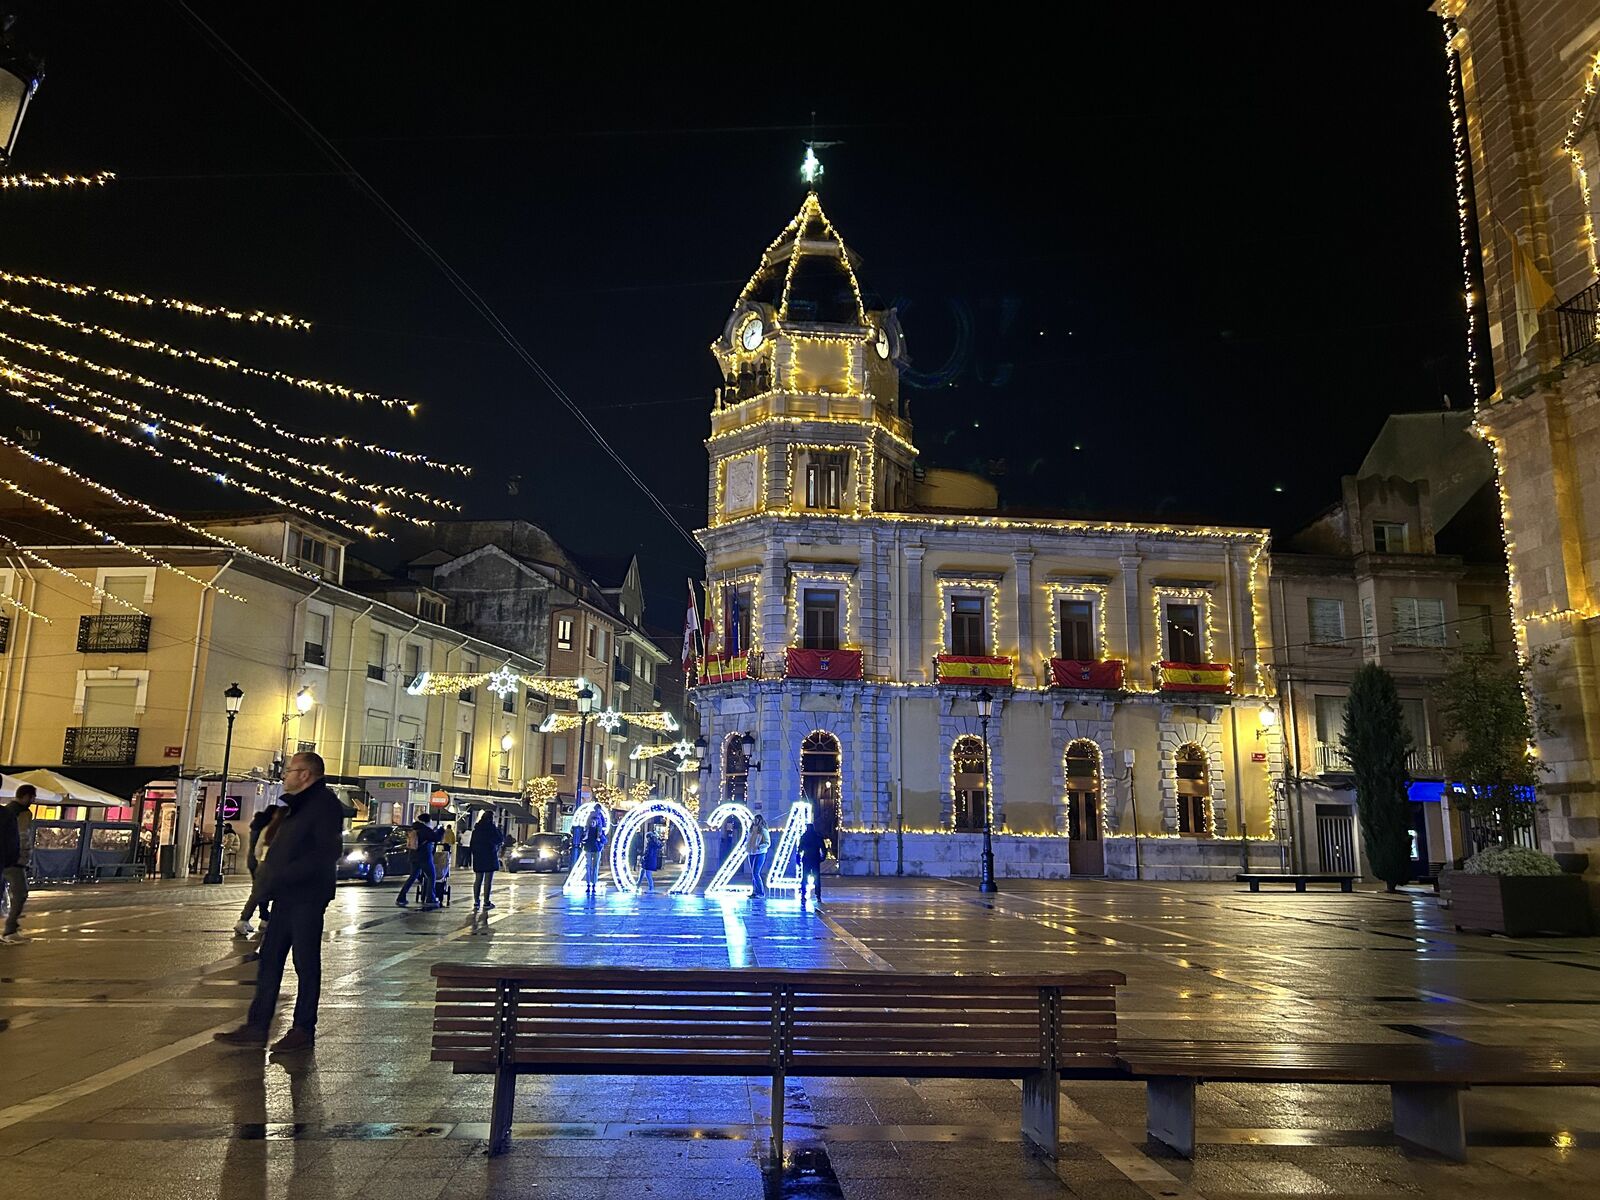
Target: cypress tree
1377,741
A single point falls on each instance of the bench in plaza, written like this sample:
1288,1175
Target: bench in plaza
530,1020
111,871
1425,1081
1346,883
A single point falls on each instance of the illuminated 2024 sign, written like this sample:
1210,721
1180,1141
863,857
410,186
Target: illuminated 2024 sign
782,870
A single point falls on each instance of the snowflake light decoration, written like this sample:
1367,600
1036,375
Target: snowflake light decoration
610,720
503,682
683,748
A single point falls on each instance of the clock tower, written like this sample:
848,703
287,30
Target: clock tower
808,418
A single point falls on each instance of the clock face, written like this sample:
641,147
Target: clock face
739,486
754,331
883,343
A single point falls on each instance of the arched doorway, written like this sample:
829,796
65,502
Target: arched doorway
1085,849
735,790
969,783
1193,771
821,783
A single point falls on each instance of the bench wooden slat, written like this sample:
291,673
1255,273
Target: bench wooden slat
622,978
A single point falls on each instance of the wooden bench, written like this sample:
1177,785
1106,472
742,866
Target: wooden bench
1425,1081
1346,883
527,1020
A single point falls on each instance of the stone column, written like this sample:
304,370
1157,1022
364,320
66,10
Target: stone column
1133,607
915,662
1027,657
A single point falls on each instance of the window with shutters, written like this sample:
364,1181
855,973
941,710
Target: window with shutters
468,695
1077,631
413,663
316,643
558,754
1330,720
1327,621
564,633
463,763
1476,629
1418,621
1416,718
821,618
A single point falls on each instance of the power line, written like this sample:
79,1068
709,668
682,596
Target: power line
466,290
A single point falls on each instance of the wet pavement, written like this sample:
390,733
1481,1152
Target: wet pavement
110,1086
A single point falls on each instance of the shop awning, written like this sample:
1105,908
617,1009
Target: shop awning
10,783
69,791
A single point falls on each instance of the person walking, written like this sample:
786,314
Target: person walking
424,835
297,878
14,852
486,839
650,860
594,839
464,841
756,848
811,844
258,828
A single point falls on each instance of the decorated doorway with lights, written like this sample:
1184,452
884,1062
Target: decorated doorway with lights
1085,849
822,783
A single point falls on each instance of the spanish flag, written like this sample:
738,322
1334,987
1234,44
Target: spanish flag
968,668
1196,677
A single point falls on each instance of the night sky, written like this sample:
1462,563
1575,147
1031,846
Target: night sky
1178,266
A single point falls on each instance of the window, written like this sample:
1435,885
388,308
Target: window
600,641
825,481
1476,629
377,728
1418,621
130,588
1330,720
1388,537
563,633
821,619
1327,621
966,626
316,648
508,702
735,769
413,663
969,784
1194,790
469,666
314,555
558,754
430,609
110,703
1077,631
1416,718
589,642
1183,634
377,645
463,763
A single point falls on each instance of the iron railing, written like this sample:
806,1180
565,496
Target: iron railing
100,746
5,633
620,672
305,747
460,766
123,634
1577,320
399,758
1422,762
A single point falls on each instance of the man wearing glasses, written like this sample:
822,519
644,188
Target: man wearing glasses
297,876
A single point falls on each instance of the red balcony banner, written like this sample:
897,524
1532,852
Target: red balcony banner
971,668
714,668
1196,677
822,664
1071,673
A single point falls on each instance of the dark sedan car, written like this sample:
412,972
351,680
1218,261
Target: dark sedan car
374,852
541,852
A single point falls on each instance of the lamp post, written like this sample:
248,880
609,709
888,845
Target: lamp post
986,881
585,707
20,73
232,699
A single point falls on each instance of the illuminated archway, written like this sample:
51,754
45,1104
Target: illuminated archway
969,783
673,813
580,820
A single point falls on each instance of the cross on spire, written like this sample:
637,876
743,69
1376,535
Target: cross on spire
811,166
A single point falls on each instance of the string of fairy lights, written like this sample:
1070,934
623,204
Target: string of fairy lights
43,375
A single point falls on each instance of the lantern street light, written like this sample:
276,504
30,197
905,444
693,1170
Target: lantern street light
232,699
701,748
585,707
20,73
986,881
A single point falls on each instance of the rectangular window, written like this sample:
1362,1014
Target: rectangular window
1418,621
1183,634
377,647
589,641
1388,537
821,613
129,588
430,609
563,633
110,703
600,642
966,626
377,728
469,695
463,763
1476,629
316,647
1327,621
558,754
508,702
825,481
1077,631
1330,720
413,663
1416,718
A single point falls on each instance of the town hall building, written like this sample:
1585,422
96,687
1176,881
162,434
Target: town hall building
866,607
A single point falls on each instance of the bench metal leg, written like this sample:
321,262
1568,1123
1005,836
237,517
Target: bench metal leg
1299,885
505,1094
1041,1110
1169,1113
1349,885
1429,1115
1255,885
777,1120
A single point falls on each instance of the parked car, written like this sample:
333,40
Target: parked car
374,852
541,852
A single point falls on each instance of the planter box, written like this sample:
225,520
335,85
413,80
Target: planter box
1517,905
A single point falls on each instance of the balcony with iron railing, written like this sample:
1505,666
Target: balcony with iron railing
1577,320
122,634
400,758
1423,762
100,746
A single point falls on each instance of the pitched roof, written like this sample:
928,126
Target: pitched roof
807,273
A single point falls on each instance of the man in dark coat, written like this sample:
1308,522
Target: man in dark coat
811,862
14,818
297,876
423,873
485,850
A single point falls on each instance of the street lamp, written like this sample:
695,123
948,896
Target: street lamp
585,707
986,881
303,700
20,73
232,699
701,747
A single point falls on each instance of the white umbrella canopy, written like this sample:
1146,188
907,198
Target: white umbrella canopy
67,791
10,783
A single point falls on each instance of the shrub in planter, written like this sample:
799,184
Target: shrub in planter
1518,891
